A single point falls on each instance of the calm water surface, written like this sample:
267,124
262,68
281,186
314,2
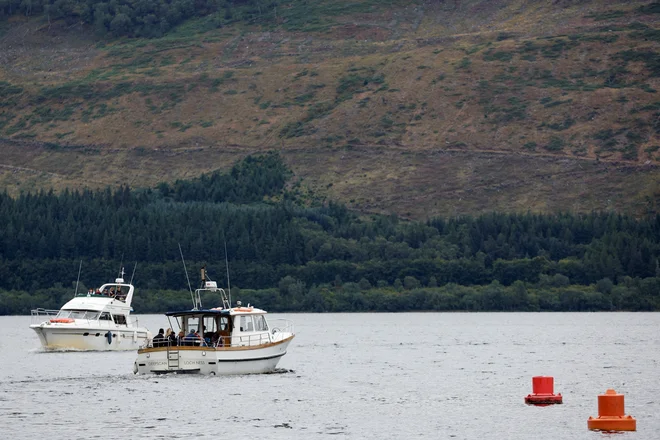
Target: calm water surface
357,376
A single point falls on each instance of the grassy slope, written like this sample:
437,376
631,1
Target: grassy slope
422,109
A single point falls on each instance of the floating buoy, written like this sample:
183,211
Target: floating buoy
611,414
543,392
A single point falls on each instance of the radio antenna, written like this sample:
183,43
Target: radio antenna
227,266
186,270
133,274
121,267
78,280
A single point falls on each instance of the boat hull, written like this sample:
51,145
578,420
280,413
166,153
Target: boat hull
211,361
70,337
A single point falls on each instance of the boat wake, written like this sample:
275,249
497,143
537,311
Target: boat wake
280,371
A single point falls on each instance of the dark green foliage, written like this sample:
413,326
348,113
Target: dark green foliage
652,8
607,15
650,58
249,181
498,56
567,123
155,18
124,17
7,89
321,258
647,34
555,144
354,83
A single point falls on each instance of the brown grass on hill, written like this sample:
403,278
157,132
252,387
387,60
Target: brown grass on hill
430,109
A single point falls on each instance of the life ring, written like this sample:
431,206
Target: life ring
109,336
62,320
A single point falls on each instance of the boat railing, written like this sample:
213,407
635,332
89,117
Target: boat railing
224,341
38,315
281,326
252,339
119,297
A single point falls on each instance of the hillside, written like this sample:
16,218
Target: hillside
419,108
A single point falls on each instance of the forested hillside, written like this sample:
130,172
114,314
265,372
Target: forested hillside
421,108
286,257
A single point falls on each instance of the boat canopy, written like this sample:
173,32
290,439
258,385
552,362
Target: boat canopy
220,312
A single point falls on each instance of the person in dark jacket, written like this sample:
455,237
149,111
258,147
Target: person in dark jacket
159,340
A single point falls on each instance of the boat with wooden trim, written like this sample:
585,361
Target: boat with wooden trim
217,341
98,320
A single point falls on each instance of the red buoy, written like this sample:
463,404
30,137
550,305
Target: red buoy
543,392
611,414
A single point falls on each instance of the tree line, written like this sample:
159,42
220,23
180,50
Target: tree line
135,18
319,258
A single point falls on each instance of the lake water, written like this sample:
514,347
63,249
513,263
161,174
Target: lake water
357,376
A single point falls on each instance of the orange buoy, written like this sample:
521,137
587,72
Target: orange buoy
543,392
611,415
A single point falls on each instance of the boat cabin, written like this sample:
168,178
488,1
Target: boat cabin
113,307
239,326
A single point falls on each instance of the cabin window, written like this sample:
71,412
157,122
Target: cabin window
119,319
244,322
78,314
105,316
193,324
260,323
209,324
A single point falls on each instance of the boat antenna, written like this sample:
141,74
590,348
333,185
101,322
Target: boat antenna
121,267
186,270
227,266
78,280
133,274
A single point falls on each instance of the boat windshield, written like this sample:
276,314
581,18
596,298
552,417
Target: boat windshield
79,314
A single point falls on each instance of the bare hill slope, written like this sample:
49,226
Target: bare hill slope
419,108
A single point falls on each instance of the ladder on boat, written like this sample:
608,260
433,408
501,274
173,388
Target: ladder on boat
173,357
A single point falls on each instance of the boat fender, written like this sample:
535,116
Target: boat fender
135,368
109,336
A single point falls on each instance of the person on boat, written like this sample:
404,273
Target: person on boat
216,339
98,291
159,340
90,292
193,338
170,336
180,338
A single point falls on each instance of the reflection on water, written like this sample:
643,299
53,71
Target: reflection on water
359,376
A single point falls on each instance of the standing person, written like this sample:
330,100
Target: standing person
180,338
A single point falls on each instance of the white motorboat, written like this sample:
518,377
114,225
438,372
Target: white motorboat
231,340
96,320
